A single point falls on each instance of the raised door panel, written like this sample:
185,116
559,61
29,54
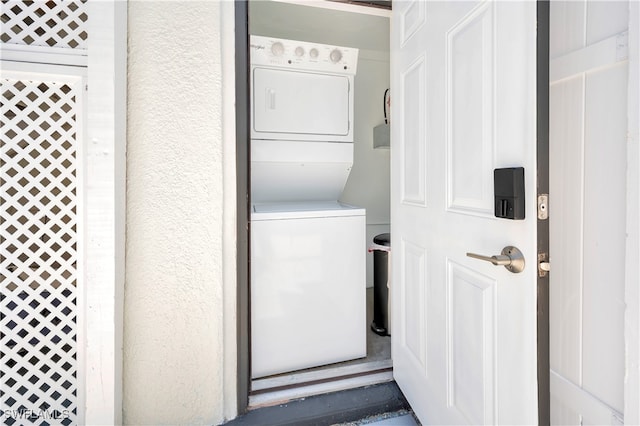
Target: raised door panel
470,97
413,325
471,339
412,125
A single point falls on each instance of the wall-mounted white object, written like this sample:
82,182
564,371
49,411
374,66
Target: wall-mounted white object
381,133
381,136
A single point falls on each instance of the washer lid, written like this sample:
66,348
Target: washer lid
301,210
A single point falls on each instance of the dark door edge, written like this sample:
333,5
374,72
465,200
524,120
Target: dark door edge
542,132
242,179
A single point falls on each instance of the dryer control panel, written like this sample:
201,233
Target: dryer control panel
301,55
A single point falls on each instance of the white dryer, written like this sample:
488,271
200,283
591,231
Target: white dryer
301,91
307,249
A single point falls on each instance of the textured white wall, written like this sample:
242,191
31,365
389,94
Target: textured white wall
173,315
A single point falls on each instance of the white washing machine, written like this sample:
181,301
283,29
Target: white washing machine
307,286
307,249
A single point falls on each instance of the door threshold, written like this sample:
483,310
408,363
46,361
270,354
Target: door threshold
350,407
283,388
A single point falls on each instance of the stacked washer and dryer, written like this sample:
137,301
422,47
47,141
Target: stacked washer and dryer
307,248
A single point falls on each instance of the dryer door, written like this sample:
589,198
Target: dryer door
300,105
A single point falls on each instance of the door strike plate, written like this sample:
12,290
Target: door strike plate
543,265
543,206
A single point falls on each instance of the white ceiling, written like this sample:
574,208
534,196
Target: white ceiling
313,24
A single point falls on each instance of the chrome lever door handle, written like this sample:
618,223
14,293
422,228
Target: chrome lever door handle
496,260
511,258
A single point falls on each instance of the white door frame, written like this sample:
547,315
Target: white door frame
632,274
105,161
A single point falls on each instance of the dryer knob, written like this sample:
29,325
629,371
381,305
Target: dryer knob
314,53
277,48
335,55
299,51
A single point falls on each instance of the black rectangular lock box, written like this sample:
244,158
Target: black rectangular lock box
508,190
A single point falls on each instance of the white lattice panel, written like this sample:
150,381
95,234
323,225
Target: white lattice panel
38,248
45,23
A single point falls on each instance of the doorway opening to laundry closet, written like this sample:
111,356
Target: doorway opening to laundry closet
355,169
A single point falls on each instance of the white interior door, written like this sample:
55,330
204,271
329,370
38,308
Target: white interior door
464,103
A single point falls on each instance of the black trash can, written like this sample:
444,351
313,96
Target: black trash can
380,324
